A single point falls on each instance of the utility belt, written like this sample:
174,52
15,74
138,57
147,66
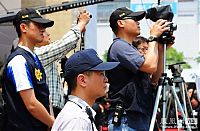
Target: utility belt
117,115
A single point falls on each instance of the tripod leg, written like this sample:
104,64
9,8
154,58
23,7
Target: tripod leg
180,107
176,110
184,100
163,120
153,119
169,101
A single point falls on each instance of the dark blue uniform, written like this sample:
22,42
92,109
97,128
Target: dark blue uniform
19,118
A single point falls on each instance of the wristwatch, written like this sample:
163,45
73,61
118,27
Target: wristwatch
152,38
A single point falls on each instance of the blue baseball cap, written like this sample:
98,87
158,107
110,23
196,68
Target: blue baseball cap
86,60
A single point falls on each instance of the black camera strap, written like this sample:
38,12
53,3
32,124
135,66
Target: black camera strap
88,111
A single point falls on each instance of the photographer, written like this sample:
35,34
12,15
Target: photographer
50,53
130,88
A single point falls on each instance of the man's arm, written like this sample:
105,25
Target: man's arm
152,56
160,66
35,107
54,51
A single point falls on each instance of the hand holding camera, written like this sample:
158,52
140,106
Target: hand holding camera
83,19
159,27
162,16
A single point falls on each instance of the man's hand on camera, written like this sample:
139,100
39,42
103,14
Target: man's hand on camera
83,19
159,27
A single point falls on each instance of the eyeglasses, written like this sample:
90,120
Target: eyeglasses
142,49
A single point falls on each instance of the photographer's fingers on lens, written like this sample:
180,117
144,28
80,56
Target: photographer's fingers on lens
156,29
159,27
166,26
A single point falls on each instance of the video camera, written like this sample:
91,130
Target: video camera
163,12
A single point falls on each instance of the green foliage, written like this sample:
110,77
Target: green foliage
173,57
198,58
105,55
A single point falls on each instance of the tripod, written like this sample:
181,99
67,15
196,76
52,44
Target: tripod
163,82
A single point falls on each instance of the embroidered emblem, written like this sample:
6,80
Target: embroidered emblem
38,74
121,15
25,16
38,12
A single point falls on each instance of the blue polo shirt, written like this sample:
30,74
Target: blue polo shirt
129,85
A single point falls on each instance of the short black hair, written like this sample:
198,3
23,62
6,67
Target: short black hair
72,82
138,40
17,26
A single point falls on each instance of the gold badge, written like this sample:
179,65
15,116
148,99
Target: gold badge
38,74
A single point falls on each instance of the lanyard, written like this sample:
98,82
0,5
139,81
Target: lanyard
88,111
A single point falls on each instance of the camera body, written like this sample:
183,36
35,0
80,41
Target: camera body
117,115
163,12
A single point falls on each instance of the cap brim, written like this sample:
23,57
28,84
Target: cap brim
138,15
45,22
105,66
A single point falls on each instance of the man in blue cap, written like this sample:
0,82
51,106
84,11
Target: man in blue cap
85,76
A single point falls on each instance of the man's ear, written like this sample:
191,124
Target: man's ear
81,80
120,23
23,27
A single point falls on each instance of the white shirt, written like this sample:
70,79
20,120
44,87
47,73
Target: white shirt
74,118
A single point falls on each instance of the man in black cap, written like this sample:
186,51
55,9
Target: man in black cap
26,91
130,85
85,76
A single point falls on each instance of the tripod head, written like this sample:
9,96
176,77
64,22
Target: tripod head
176,69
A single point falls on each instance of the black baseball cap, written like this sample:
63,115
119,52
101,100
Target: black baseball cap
125,13
86,60
32,15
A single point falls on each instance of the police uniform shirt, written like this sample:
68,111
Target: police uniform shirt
19,72
74,117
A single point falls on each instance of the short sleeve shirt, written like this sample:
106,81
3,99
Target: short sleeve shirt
126,54
19,72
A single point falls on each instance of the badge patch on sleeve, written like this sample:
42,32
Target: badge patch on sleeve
38,74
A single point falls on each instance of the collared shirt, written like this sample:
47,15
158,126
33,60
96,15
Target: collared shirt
49,56
129,85
19,72
74,117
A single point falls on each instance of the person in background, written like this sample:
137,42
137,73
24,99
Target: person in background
26,92
196,108
141,43
85,76
49,53
130,90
